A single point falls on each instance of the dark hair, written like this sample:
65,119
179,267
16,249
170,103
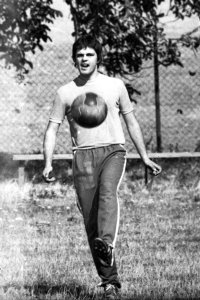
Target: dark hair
87,41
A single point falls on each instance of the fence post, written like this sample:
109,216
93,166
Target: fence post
157,93
21,173
146,175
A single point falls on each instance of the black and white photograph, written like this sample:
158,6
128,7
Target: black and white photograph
100,150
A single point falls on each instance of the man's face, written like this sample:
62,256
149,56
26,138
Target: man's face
86,61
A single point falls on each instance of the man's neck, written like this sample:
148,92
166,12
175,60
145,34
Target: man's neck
90,76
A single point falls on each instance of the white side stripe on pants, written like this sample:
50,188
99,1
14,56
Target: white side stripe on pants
118,206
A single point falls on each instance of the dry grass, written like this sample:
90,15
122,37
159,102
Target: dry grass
45,255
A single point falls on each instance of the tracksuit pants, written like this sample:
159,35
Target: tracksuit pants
97,175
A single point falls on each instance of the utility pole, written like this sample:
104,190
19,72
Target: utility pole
157,94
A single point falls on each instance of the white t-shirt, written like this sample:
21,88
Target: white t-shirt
114,93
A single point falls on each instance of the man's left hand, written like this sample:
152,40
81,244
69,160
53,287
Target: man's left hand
155,169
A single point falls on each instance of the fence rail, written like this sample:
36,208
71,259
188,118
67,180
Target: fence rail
24,158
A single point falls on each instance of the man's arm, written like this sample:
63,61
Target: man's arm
48,148
137,138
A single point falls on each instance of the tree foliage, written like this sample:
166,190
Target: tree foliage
182,8
23,28
187,8
129,30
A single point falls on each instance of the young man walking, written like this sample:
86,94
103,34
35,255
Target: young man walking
99,155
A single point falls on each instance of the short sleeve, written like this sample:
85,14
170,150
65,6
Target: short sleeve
58,110
125,102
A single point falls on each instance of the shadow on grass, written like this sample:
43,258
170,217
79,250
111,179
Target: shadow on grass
75,290
72,290
69,291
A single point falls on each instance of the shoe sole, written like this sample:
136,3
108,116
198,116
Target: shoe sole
101,249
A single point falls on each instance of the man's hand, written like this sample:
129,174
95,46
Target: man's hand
47,174
153,167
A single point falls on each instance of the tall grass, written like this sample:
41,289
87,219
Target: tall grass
44,252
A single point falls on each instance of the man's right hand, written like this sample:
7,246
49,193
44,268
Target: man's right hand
47,174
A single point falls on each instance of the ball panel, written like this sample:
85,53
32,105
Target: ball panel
91,99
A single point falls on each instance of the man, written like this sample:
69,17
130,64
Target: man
99,155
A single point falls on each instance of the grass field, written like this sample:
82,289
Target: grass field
44,253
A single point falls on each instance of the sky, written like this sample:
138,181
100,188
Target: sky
62,28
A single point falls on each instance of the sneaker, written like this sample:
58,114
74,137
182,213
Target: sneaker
104,252
111,291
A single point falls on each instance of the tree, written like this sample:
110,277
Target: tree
127,29
187,8
23,28
183,8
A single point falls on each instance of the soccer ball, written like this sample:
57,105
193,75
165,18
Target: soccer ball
89,110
